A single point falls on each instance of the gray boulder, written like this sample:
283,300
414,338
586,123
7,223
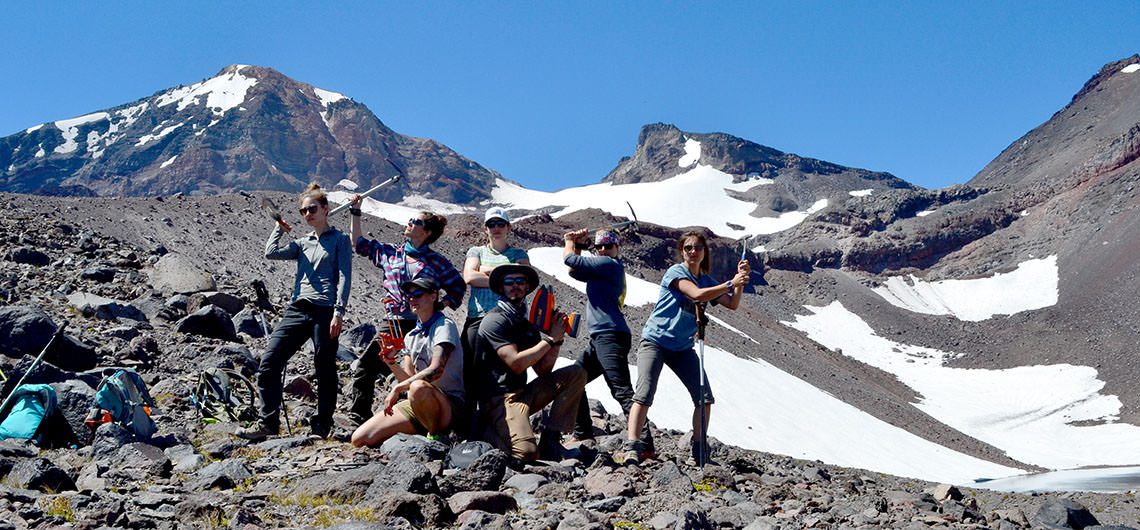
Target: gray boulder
353,483
101,273
74,399
484,474
40,474
422,511
246,321
26,330
141,460
415,446
221,475
1063,513
487,501
228,302
93,305
109,437
29,256
178,274
210,321
402,475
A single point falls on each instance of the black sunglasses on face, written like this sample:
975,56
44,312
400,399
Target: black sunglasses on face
513,281
694,248
495,224
416,221
310,209
417,293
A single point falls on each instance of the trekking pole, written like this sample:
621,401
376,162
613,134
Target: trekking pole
58,333
374,189
263,301
702,448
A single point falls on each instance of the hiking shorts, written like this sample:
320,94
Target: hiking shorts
652,357
405,408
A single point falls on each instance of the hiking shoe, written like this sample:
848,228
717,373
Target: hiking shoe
321,429
550,446
256,432
632,452
356,419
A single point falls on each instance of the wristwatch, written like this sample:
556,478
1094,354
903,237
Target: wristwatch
553,342
730,285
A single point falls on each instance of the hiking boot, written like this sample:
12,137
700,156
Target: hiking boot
550,446
632,452
356,419
321,429
256,432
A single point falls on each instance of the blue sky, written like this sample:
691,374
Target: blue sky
553,94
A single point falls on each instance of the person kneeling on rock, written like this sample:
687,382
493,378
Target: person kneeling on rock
431,373
508,344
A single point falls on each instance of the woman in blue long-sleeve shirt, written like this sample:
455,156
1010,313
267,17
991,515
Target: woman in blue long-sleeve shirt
320,295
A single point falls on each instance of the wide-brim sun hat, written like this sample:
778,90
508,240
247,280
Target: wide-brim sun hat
502,271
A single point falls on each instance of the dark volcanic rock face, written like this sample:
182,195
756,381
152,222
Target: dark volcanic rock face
246,128
797,181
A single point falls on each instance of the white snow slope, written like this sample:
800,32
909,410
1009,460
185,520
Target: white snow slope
694,198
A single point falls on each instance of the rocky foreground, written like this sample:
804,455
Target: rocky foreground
146,308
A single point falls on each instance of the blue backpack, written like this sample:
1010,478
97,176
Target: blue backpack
30,405
122,397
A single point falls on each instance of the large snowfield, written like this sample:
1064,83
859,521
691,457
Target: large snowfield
1051,416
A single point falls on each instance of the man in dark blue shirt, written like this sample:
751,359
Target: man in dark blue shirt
608,353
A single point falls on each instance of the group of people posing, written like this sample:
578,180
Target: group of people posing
474,382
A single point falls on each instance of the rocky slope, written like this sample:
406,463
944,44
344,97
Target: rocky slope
110,277
248,127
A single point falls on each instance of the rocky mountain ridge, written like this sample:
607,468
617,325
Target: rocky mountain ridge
248,127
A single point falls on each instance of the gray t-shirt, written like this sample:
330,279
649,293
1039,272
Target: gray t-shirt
420,345
605,291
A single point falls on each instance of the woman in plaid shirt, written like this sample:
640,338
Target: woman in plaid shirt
401,263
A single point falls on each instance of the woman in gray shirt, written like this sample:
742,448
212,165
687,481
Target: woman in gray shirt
320,294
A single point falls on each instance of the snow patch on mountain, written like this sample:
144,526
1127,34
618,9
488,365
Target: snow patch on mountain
1030,412
701,190
692,153
168,162
327,96
221,93
146,138
1033,285
1131,68
70,129
31,130
347,184
860,193
406,209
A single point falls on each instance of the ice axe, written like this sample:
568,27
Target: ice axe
274,213
374,189
702,449
632,222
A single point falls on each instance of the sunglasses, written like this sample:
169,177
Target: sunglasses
417,293
416,221
513,281
605,246
309,210
495,224
693,248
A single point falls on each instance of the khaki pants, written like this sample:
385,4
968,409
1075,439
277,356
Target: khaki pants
508,415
